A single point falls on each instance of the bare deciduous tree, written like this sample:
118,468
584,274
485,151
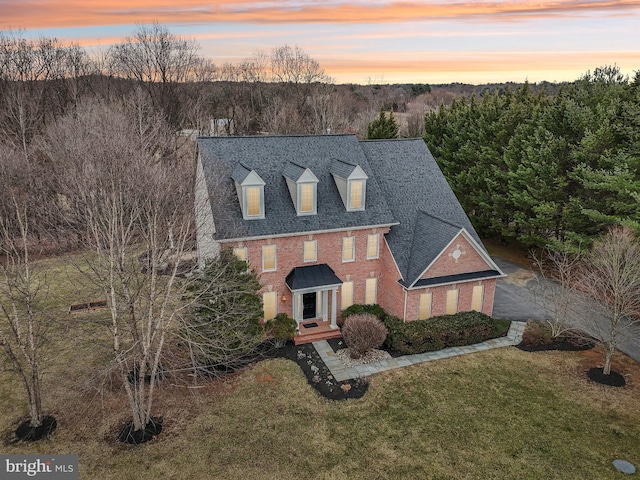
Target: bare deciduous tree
554,287
24,310
160,61
610,274
26,69
293,65
136,213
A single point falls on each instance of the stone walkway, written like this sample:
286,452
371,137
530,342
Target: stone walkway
341,372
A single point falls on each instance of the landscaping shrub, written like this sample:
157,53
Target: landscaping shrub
363,332
375,310
436,333
463,328
282,328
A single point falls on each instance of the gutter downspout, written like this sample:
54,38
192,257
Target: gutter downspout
404,313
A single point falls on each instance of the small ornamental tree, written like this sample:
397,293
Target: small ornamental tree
363,332
610,274
383,126
554,288
222,328
25,311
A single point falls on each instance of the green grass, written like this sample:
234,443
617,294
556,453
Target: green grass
502,414
496,414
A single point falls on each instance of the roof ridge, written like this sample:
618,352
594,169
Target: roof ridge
293,162
440,219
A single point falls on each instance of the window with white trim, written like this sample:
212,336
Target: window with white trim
310,250
348,249
452,301
270,304
346,297
373,246
425,306
268,258
254,201
477,297
356,194
240,253
371,291
307,198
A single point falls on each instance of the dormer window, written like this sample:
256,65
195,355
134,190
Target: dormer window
356,195
352,184
254,201
250,190
303,188
307,192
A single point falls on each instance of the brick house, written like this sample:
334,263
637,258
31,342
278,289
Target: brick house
329,221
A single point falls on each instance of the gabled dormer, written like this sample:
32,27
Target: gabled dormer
303,188
250,190
352,184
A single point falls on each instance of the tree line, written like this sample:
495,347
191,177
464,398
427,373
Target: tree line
545,169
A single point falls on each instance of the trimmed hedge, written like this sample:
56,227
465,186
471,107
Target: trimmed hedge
436,333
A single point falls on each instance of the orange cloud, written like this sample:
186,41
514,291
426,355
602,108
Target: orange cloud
70,13
477,67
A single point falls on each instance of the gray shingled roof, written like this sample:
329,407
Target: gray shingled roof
293,171
240,172
421,200
341,168
405,186
269,156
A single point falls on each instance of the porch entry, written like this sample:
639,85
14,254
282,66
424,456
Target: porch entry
310,288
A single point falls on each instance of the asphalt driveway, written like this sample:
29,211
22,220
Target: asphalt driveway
515,299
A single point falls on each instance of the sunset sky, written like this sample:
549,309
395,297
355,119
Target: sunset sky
377,41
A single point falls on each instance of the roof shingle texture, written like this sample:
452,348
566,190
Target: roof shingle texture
269,156
421,200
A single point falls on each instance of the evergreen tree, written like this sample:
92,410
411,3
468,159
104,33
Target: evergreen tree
223,328
383,126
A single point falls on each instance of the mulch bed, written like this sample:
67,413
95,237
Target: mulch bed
317,373
614,379
537,339
135,437
26,433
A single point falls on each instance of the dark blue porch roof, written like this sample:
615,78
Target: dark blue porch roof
312,276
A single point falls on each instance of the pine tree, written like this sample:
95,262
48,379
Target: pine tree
383,126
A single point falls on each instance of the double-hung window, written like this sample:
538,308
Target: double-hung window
348,249
268,258
452,302
347,295
270,305
310,250
425,306
371,291
477,297
373,246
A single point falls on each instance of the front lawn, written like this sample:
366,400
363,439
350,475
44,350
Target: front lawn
502,413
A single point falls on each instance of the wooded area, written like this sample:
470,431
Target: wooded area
545,169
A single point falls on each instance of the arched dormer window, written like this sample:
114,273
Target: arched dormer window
250,190
303,188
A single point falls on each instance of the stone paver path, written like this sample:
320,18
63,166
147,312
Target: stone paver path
341,372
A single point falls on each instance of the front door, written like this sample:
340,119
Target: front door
309,305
